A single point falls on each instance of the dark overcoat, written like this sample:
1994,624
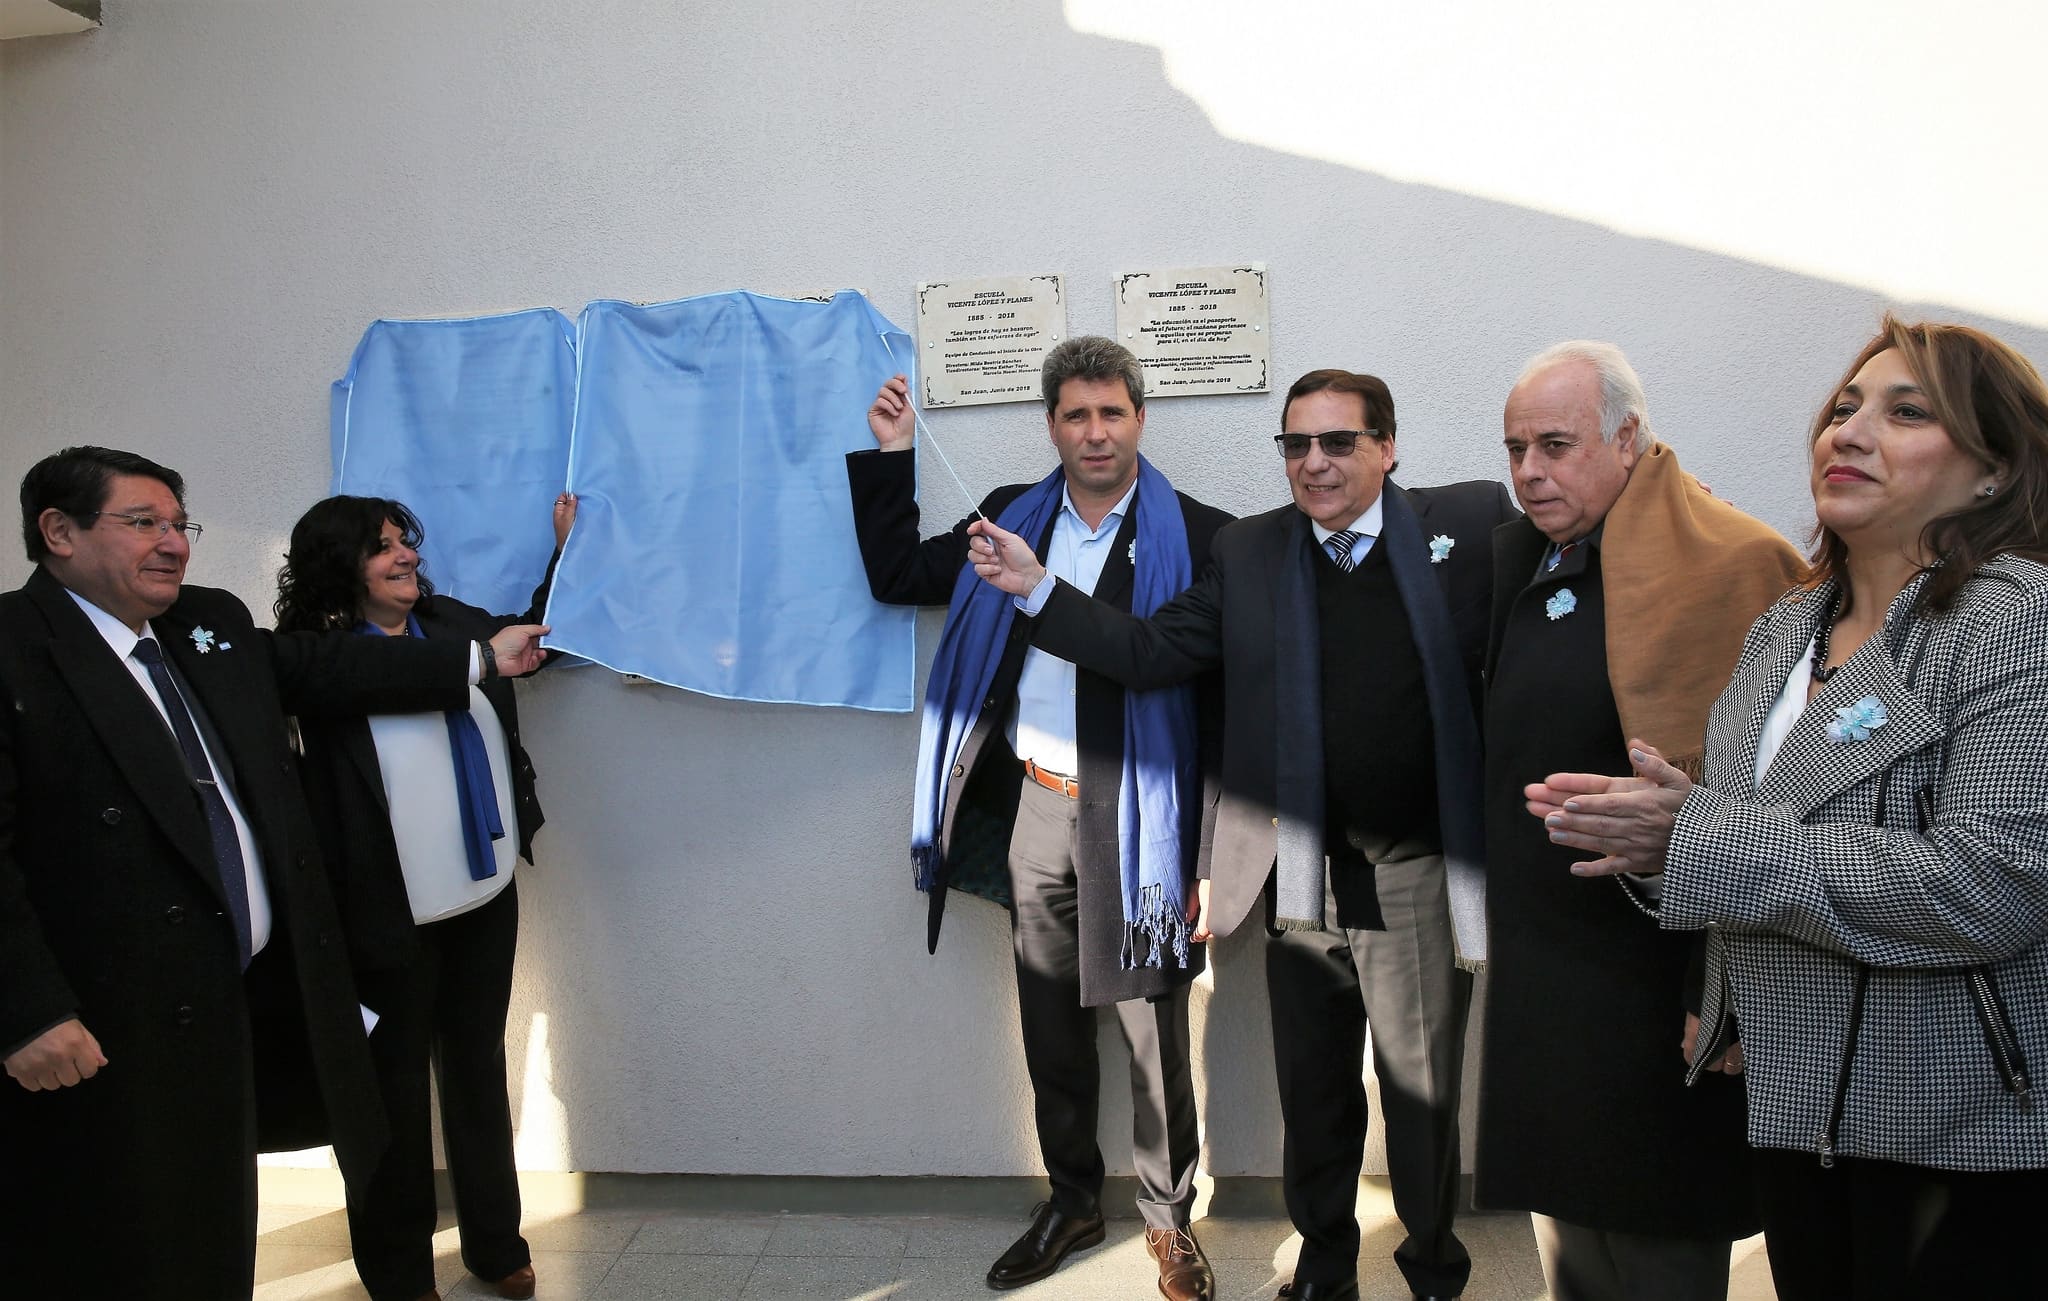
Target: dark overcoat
1583,1110
981,791
111,909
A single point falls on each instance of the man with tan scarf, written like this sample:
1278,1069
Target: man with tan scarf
1619,605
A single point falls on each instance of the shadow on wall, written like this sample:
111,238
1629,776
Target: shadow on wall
722,963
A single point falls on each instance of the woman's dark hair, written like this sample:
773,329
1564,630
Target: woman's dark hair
321,585
1992,404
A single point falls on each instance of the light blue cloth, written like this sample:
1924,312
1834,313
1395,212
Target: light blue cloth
714,545
466,422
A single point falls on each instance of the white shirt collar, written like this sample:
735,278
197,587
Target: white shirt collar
1367,524
119,636
1116,512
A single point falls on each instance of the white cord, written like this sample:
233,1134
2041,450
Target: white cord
924,429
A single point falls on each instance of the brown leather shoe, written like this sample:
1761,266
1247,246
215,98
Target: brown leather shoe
517,1285
1184,1273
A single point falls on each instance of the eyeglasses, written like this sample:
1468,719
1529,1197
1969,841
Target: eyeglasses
1336,442
147,524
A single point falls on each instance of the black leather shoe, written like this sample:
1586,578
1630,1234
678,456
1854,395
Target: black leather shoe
1319,1292
1044,1245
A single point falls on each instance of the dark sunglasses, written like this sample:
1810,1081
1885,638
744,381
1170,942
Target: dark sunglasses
1336,442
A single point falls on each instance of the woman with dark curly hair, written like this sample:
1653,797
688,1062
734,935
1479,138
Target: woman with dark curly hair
1868,846
413,812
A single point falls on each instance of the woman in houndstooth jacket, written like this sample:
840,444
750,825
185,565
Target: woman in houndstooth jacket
1868,847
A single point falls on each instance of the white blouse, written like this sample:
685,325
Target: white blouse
426,819
1784,715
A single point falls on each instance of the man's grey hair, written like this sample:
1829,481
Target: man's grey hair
1091,357
1621,393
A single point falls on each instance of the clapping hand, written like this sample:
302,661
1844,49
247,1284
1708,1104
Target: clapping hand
1625,820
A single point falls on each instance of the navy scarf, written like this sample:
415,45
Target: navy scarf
476,793
1158,796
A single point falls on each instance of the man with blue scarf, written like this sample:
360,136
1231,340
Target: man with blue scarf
1058,794
1349,625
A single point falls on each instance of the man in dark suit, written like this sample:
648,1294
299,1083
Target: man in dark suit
1349,627
169,953
1022,776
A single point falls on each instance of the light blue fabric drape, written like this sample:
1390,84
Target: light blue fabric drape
466,422
714,546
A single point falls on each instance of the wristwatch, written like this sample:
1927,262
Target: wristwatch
488,658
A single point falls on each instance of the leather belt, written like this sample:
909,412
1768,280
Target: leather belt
1052,781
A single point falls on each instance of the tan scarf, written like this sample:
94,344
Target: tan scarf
1684,575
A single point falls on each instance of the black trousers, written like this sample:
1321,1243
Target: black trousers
1882,1231
1325,986
1059,1035
445,1011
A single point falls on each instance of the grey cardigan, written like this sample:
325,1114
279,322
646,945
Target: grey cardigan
1803,881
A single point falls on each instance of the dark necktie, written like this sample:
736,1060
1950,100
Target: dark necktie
1339,546
227,846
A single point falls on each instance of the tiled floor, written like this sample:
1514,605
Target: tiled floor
624,1254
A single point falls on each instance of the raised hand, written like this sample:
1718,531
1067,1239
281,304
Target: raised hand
890,419
564,517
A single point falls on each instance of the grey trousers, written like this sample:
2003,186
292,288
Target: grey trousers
1059,1036
1582,1264
1325,987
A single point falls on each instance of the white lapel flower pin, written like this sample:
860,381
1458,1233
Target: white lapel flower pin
1440,547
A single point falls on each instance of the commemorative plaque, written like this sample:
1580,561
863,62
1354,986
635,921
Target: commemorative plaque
985,340
1202,330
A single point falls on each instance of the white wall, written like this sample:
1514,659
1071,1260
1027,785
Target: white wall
722,965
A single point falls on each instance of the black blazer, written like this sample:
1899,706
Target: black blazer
981,793
1230,617
344,787
111,909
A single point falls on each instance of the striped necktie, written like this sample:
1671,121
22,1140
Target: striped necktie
1339,546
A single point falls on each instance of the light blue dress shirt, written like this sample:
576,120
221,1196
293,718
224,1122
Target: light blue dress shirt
1042,729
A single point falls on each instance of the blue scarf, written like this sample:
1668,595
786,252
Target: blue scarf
1158,795
475,793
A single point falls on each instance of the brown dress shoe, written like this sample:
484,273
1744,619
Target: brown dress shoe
1184,1273
517,1285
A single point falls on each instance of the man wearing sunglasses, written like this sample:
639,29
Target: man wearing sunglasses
1350,626
171,976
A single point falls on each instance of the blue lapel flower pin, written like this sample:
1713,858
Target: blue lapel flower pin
1560,604
1856,722
202,640
1440,547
